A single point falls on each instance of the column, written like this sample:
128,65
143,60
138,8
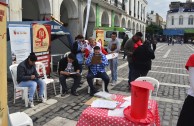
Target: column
112,18
98,19
15,10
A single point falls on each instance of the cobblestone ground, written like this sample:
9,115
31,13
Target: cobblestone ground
167,68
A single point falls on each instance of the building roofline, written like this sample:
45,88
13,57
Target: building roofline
145,1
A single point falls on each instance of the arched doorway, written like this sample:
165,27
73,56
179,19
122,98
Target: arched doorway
91,22
105,19
116,21
69,16
140,28
30,6
134,28
129,24
137,27
123,23
41,10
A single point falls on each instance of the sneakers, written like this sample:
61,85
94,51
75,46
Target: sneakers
43,100
114,83
31,104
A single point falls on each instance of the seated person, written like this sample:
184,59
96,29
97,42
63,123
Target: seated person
67,66
27,76
90,47
97,70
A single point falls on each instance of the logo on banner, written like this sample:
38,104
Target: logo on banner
40,38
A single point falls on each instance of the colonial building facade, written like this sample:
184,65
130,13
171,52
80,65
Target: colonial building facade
180,20
122,13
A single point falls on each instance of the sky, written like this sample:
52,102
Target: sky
160,6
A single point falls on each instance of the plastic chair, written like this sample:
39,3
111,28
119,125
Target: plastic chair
153,81
94,80
13,70
19,119
41,67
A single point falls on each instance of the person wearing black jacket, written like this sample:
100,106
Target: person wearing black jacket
69,67
77,50
142,58
27,76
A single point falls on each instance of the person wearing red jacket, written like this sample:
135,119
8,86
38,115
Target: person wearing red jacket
186,114
92,43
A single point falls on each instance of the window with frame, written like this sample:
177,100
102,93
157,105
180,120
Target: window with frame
190,21
172,20
180,20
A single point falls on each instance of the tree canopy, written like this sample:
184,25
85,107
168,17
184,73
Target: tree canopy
154,29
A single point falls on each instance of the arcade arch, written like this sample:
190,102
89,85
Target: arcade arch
105,19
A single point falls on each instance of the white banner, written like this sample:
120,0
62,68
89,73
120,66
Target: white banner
20,39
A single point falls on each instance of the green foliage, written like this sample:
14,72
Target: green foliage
154,29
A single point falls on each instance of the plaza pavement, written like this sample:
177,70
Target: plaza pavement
167,67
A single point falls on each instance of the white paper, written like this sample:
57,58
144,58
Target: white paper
100,103
104,95
112,56
125,104
127,98
116,112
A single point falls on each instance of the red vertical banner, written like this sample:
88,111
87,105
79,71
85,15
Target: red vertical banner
42,43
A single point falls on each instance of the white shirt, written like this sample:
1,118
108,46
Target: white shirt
191,80
91,49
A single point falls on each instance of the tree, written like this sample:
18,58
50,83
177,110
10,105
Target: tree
154,29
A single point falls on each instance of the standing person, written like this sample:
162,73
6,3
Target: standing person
123,43
68,65
169,40
27,76
77,50
97,70
113,47
154,42
129,49
142,58
186,115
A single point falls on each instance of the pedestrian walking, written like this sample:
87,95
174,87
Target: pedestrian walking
113,47
186,115
154,42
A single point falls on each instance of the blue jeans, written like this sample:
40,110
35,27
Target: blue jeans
104,77
32,84
113,68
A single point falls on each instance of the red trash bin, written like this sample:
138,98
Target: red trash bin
138,111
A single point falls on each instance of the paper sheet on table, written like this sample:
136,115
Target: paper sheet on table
116,112
125,104
127,98
99,103
103,95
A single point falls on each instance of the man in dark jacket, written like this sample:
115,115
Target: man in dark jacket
69,67
129,48
123,44
142,57
27,76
